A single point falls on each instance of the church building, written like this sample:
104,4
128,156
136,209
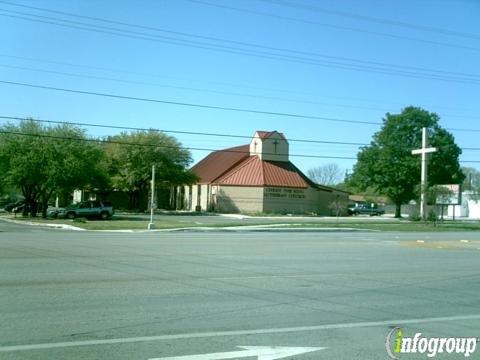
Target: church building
256,178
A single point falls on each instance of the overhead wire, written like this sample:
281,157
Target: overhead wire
327,61
239,109
212,107
110,141
229,150
186,104
145,27
332,26
230,41
131,128
191,133
188,88
236,85
378,20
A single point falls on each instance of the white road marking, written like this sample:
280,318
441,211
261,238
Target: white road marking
260,352
271,276
236,333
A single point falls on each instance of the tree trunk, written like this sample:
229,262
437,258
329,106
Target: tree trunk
33,208
29,195
45,197
398,210
133,200
25,209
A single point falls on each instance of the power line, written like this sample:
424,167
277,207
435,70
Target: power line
172,131
203,90
228,41
213,107
463,130
269,55
202,106
332,61
338,27
197,133
236,85
150,27
378,20
110,141
156,29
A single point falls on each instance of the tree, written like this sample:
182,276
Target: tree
42,160
328,174
131,156
387,165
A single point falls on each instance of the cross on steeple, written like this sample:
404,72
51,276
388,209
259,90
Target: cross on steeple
275,143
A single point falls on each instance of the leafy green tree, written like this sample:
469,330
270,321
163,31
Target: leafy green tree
388,167
131,156
42,160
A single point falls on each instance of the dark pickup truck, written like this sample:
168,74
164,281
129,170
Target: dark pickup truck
365,209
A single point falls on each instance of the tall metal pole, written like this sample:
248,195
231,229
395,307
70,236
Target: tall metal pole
151,225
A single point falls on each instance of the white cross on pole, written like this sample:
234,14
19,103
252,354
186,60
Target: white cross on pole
423,151
151,224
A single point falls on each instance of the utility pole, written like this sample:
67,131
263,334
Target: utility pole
151,225
424,151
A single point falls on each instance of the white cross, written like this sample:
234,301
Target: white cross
423,151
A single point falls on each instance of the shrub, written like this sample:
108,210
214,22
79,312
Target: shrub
414,216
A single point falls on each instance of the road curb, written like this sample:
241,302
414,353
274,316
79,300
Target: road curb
48,225
230,230
244,228
258,229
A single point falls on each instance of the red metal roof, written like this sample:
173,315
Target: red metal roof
235,166
255,172
218,163
267,134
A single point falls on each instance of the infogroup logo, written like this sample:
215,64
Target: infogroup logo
396,344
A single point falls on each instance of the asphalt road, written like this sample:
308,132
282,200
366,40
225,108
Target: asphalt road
96,295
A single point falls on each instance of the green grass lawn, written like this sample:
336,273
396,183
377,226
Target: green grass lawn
172,222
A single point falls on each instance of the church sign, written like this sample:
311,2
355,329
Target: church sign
273,192
449,195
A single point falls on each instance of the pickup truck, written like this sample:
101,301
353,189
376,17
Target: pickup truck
365,209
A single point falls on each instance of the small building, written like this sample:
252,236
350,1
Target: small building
469,206
257,178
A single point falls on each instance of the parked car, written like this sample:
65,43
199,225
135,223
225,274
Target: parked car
53,212
99,209
15,205
371,209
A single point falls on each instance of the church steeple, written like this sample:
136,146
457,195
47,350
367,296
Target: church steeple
269,145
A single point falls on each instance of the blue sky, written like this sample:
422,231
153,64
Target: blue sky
319,42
